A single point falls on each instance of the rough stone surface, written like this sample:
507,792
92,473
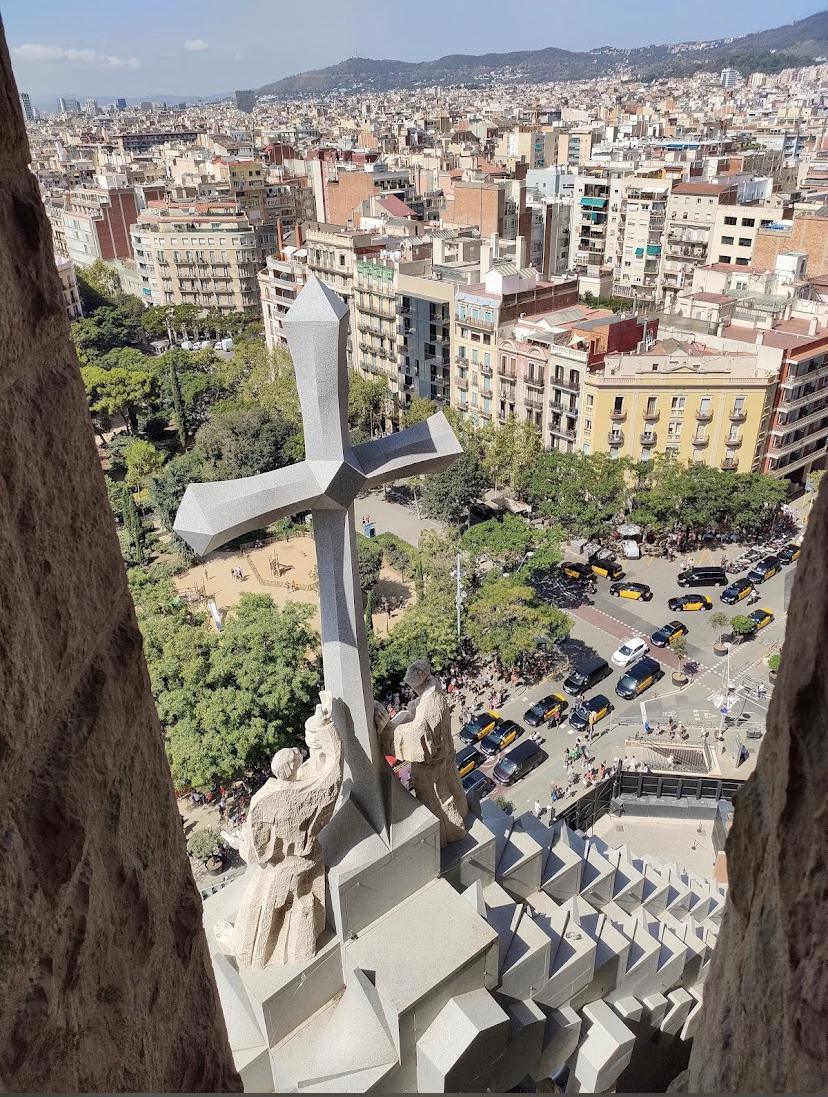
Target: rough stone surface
764,1023
105,980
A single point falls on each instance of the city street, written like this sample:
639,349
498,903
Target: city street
600,628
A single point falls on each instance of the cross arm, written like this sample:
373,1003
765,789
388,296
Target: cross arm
430,446
210,515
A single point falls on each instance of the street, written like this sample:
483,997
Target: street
600,628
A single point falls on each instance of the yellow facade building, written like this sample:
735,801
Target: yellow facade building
688,400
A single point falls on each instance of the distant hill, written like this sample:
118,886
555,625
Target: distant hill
800,43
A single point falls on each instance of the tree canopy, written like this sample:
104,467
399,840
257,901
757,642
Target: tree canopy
447,495
246,442
507,620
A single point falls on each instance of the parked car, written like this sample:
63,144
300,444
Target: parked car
477,783
761,618
765,569
687,602
629,651
503,736
467,759
606,569
586,675
518,761
789,553
549,710
663,636
481,725
702,576
631,590
590,712
738,589
644,674
574,569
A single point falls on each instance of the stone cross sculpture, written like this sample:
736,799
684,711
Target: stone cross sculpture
327,482
282,911
421,735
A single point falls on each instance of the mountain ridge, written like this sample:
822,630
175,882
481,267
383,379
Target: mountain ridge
799,43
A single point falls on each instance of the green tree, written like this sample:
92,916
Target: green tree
678,644
586,494
506,620
742,626
369,562
202,845
170,482
397,552
177,401
438,555
244,443
511,452
418,411
774,661
718,621
143,461
118,392
505,542
369,613
447,495
367,403
133,527
423,632
419,580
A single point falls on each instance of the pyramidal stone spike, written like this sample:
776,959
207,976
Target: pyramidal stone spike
316,303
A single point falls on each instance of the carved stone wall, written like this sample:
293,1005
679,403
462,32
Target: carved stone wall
764,1022
105,981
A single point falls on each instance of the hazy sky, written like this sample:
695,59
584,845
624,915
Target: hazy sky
203,47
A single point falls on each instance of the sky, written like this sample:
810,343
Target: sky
208,47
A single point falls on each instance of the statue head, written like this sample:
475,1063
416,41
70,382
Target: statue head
319,728
286,763
418,675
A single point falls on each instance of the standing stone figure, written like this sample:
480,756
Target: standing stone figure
421,734
282,912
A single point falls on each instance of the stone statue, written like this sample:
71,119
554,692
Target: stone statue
282,912
421,734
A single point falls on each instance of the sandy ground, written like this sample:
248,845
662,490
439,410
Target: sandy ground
286,570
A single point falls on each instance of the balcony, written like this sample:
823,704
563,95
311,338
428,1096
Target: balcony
615,438
648,438
651,415
700,441
470,322
487,371
704,415
738,415
462,383
618,415
729,464
734,441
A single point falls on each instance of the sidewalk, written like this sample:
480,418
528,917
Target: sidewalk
393,518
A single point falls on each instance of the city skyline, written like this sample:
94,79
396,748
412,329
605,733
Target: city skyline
55,53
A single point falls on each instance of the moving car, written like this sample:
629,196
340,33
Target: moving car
760,618
629,651
517,762
477,784
606,569
467,759
631,590
481,725
574,569
644,674
586,675
687,602
503,736
662,637
789,553
548,710
702,576
765,569
590,712
738,589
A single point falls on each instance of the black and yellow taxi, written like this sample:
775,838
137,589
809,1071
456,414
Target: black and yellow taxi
467,759
664,636
789,553
549,710
685,603
606,569
765,569
645,673
760,618
574,569
503,736
738,589
627,589
590,712
478,727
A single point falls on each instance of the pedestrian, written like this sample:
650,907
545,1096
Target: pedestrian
537,809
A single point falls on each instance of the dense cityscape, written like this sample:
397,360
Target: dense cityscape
585,325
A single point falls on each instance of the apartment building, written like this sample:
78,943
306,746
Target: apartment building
69,285
136,143
549,233
596,216
96,221
490,205
806,231
425,308
279,284
544,360
200,253
374,320
735,230
691,214
484,382
348,189
685,399
640,240
333,251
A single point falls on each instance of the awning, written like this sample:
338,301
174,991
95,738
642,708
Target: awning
654,249
594,203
